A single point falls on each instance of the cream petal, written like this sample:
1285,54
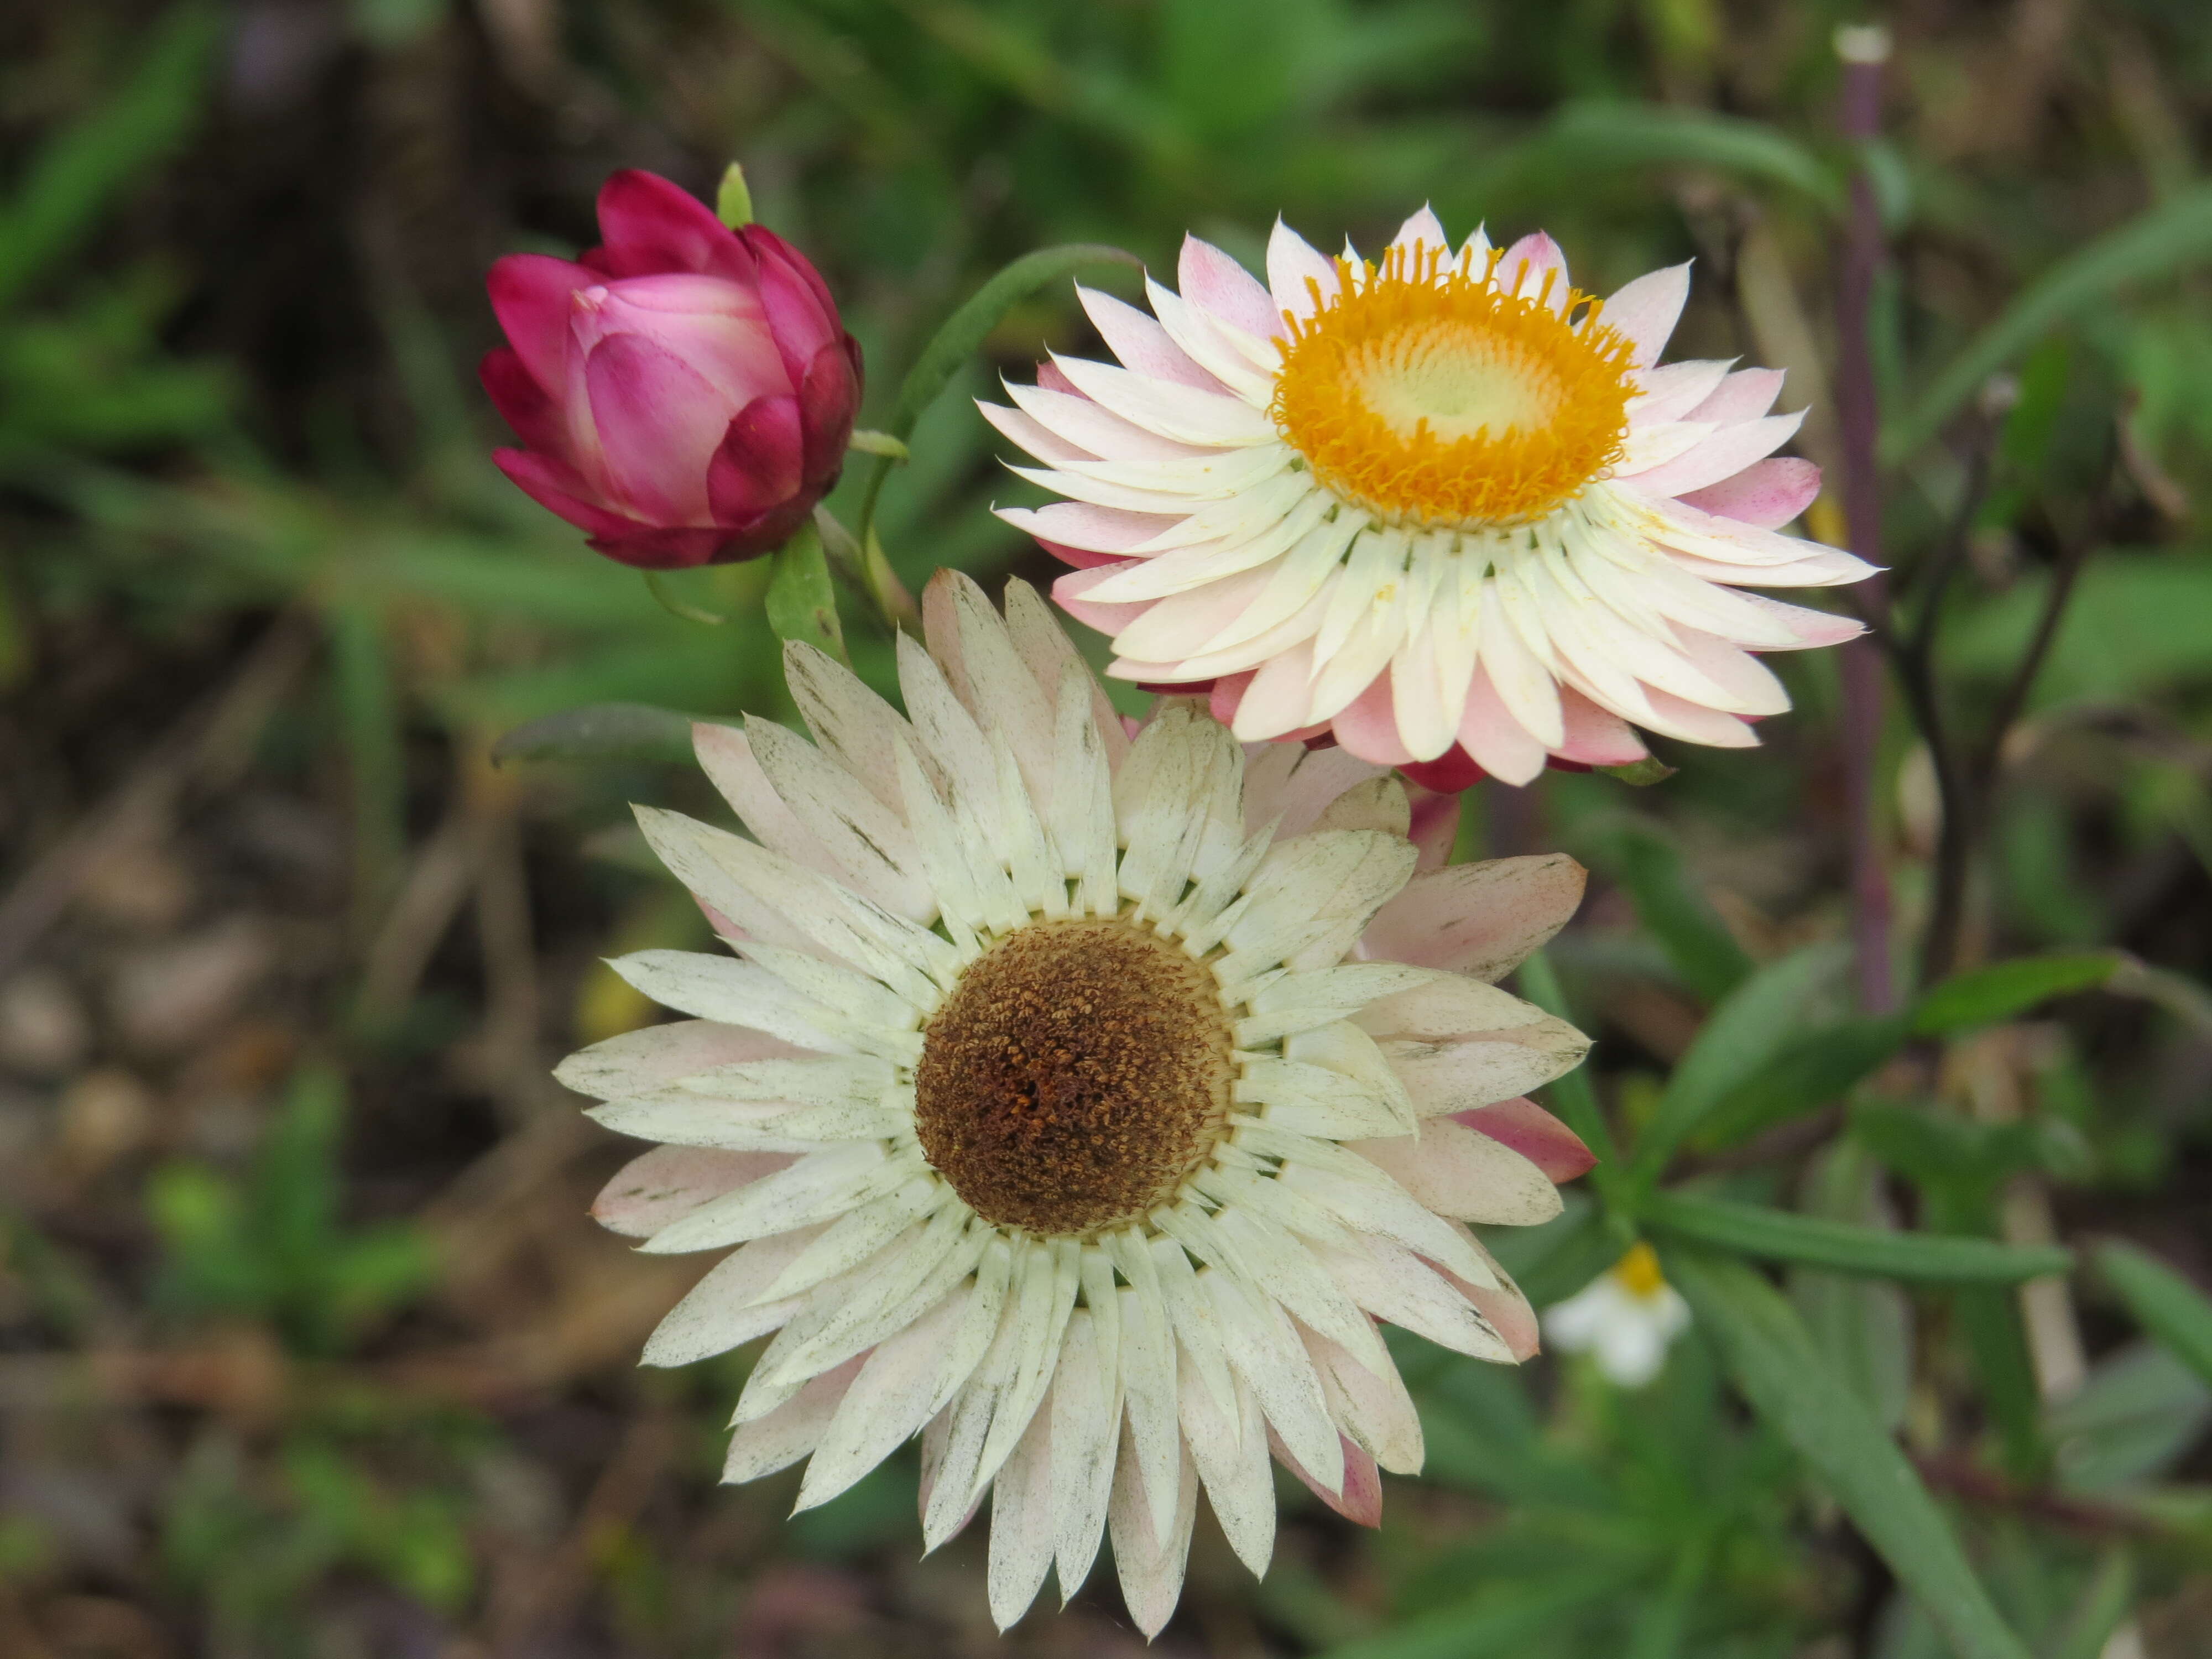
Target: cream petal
786,1434
1266,1354
1482,919
1371,1406
1030,435
1670,393
1149,1558
1300,280
854,728
818,1186
1465,1175
1180,412
725,1308
1021,1525
656,1188
1228,1447
885,1407
1086,1410
1153,1443
656,1055
1393,1284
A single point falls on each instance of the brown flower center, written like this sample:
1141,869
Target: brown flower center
1077,1074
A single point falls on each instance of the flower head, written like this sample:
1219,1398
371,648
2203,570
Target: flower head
1447,508
1625,1319
1080,1101
685,390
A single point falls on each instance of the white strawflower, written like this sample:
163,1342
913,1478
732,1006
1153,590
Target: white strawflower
1078,1102
1625,1319
1449,508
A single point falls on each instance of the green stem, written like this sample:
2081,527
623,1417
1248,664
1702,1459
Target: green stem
656,584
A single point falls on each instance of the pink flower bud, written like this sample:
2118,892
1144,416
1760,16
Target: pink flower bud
684,391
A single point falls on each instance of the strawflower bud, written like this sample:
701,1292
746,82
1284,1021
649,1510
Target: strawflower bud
683,392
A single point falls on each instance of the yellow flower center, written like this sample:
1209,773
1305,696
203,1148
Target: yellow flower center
1436,398
1639,1272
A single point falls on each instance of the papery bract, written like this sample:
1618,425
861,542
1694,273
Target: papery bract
684,391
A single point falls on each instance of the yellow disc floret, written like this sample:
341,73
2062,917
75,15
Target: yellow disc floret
1439,398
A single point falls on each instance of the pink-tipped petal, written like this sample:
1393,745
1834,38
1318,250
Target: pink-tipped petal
1533,266
1215,283
1595,736
659,423
669,1182
1813,627
1361,1498
1299,279
1499,745
1434,828
758,465
1646,309
534,415
1766,495
1723,455
649,226
531,294
1743,396
1067,593
557,488
1423,230
1534,1134
1368,727
1482,919
1140,343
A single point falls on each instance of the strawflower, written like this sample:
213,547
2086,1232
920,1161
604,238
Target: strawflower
1449,509
1080,1101
684,391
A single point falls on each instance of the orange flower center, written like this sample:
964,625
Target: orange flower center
1435,398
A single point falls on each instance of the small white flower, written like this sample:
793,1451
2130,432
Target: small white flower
1080,1102
1625,1319
1449,507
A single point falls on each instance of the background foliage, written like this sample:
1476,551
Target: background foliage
304,1347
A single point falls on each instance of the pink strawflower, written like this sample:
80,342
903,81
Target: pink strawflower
1450,510
685,390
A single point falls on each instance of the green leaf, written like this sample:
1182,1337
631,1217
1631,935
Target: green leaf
73,177
1988,996
604,731
1669,903
1584,137
1844,1246
2161,242
1809,1072
800,603
1494,1619
2164,1303
1743,1036
1771,1358
962,335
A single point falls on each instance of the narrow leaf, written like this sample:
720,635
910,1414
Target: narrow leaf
1696,941
2165,1304
1771,1358
1807,1074
1492,1620
602,732
1587,135
962,335
1816,1242
1988,996
2163,240
1745,1033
